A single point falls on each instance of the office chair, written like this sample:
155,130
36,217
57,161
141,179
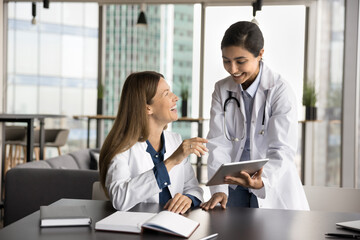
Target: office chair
53,138
98,192
15,138
333,199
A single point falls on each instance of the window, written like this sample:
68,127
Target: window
161,47
53,63
328,75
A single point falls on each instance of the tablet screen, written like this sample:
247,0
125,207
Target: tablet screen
234,168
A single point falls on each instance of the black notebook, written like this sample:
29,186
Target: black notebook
57,216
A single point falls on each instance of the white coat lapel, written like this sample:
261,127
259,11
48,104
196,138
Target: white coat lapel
259,104
147,162
267,81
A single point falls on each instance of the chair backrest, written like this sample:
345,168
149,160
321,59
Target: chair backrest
98,192
333,199
57,137
15,134
26,189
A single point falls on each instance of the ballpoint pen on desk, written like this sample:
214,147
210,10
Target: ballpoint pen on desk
342,235
210,236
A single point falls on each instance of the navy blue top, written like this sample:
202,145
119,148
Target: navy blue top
248,97
162,175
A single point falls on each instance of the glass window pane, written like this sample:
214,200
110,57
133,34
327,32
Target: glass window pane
11,51
26,52
51,14
70,96
10,103
49,99
26,104
166,45
287,37
90,58
50,54
196,61
91,15
11,10
327,133
72,56
46,62
73,14
90,97
130,48
23,11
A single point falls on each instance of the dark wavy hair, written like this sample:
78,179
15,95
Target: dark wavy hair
244,34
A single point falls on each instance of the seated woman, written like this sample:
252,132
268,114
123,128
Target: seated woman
139,161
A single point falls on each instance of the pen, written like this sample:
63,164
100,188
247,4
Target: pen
343,235
209,237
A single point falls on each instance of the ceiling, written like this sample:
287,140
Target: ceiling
206,2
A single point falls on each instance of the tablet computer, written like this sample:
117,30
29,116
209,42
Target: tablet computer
233,169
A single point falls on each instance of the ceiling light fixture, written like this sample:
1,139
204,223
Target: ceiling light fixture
46,3
142,18
33,13
256,7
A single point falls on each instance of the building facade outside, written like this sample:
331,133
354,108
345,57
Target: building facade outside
164,45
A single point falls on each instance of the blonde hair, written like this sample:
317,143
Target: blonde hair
131,123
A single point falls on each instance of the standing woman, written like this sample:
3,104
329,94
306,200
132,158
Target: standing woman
260,122
139,161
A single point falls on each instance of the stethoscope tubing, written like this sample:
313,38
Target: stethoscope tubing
227,101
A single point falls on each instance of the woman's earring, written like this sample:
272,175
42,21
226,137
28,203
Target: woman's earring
148,109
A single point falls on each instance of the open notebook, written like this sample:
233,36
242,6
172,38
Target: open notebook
136,222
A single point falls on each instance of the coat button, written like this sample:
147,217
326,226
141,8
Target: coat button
165,183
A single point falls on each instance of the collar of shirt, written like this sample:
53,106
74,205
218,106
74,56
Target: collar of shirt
152,151
251,90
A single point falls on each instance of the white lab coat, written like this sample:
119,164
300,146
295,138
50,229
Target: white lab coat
130,178
282,186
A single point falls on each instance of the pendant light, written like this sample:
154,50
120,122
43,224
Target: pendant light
256,7
46,3
33,13
142,18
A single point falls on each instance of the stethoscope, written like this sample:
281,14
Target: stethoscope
227,101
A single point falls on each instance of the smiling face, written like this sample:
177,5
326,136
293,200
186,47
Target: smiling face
162,109
241,64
